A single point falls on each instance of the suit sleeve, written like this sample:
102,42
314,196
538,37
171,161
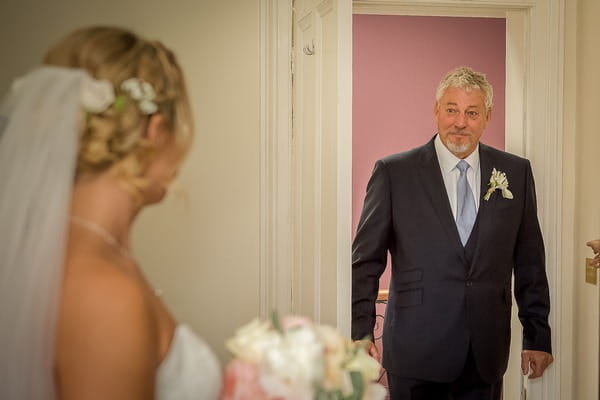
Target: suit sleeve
369,251
531,283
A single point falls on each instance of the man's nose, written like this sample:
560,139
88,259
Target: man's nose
460,121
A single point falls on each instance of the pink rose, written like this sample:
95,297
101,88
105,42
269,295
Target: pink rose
241,382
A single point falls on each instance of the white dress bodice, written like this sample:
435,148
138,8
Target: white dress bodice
189,371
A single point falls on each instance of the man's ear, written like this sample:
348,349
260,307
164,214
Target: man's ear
155,130
436,109
489,114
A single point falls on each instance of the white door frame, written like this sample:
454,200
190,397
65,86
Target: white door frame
535,34
275,282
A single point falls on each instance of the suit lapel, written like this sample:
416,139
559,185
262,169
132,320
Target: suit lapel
433,183
485,213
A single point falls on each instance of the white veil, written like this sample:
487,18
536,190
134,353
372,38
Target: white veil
39,125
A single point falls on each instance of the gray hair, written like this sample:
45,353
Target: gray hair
467,79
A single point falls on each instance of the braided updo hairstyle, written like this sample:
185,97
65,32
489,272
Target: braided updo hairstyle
114,138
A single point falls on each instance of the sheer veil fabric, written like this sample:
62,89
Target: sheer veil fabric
39,125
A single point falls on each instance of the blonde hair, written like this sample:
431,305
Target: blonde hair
114,137
467,79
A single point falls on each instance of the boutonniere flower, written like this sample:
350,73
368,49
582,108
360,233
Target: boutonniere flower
498,181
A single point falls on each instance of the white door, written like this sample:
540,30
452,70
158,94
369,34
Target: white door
321,161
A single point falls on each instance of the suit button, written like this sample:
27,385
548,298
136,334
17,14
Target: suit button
469,283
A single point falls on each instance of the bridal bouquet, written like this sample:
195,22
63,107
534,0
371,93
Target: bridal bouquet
298,360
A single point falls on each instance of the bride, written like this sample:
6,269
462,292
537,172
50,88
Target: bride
86,141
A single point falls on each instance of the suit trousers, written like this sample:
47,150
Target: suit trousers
468,386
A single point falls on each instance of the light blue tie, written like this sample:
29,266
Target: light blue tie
465,211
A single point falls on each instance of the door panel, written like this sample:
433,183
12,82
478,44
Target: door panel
321,179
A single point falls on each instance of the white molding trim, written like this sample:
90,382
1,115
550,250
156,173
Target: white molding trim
514,142
344,172
319,12
569,186
515,91
544,147
275,130
440,8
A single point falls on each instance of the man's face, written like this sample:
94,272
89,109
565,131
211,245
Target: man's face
461,118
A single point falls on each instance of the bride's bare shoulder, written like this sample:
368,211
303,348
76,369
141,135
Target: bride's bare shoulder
97,289
105,326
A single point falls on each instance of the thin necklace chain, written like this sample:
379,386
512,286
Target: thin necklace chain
108,238
101,233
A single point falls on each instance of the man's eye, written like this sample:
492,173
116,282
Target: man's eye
473,114
450,110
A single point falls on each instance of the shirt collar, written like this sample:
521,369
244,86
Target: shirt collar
448,160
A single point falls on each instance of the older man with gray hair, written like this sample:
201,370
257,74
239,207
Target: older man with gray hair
459,220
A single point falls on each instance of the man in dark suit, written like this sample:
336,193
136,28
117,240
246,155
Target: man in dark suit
459,219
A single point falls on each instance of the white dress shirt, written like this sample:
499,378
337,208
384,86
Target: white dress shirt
450,173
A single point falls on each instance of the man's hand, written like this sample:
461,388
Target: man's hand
536,362
595,245
371,349
596,261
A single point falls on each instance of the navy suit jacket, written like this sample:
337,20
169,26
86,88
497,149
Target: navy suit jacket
444,297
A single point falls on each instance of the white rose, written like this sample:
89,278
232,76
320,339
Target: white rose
335,346
147,91
365,364
147,107
142,92
275,387
375,391
252,340
298,358
96,95
133,87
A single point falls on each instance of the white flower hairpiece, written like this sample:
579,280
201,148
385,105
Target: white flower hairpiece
142,92
98,95
499,181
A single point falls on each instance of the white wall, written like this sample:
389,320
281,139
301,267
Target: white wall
202,251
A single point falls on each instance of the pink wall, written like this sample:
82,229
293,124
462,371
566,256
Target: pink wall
398,62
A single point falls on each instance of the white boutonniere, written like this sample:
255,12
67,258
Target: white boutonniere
499,181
